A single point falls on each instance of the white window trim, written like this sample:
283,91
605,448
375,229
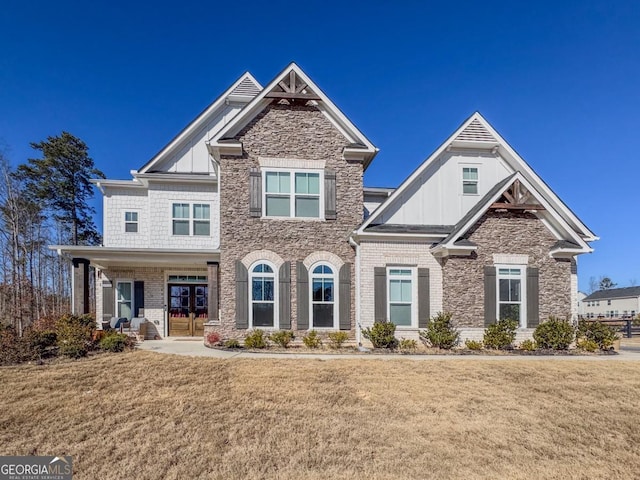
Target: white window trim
462,166
523,291
190,219
137,222
336,286
133,296
414,294
292,195
276,280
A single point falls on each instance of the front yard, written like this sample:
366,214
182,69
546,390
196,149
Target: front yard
147,416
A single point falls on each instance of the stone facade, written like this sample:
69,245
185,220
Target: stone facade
292,132
505,233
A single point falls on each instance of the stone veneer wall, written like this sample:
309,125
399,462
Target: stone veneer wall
294,132
505,233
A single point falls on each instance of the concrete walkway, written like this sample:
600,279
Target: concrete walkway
629,350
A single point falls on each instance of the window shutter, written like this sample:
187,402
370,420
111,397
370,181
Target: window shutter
424,298
284,295
255,192
344,291
533,298
242,296
380,293
302,291
108,301
329,194
490,315
138,296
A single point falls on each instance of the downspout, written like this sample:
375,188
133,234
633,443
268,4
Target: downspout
356,246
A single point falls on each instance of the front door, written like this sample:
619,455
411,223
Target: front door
188,309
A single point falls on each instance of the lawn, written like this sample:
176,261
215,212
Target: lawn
148,416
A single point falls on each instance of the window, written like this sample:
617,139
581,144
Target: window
510,293
131,222
470,180
191,219
301,201
124,299
400,296
322,297
263,305
608,302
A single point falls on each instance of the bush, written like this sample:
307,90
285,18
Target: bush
587,345
213,338
528,345
282,338
75,335
473,344
554,334
41,343
115,342
232,343
13,348
441,333
603,335
336,339
312,340
500,335
255,339
407,345
381,335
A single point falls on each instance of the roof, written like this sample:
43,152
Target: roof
378,190
624,292
416,229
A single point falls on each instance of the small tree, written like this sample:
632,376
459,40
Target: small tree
606,283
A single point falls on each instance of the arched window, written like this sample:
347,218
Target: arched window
262,296
323,290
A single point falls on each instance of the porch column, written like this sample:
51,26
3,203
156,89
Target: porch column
212,275
80,293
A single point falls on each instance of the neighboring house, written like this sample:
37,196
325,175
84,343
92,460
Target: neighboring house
255,216
612,303
581,305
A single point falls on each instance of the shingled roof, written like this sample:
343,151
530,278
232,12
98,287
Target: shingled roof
625,292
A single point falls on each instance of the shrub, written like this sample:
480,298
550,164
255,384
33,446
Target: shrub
441,333
603,335
312,340
115,342
41,343
12,347
74,335
213,338
232,343
381,335
587,345
555,334
336,339
407,345
473,344
255,339
528,345
282,338
500,335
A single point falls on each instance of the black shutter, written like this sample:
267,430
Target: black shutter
380,293
284,294
489,295
329,194
302,294
108,301
255,192
138,296
344,292
533,298
424,300
242,296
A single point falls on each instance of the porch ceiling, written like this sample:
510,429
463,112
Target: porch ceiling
105,257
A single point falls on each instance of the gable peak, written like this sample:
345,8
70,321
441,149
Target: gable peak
476,131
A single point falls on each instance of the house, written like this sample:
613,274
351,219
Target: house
255,216
612,303
581,304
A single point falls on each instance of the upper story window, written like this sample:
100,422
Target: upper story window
400,303
131,222
292,194
191,219
470,180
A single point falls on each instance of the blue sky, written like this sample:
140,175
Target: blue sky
559,80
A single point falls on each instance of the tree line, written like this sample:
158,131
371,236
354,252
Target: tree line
44,201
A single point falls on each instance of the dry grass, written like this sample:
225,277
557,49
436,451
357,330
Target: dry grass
148,416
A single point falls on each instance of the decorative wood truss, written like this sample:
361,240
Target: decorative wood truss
293,89
517,197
